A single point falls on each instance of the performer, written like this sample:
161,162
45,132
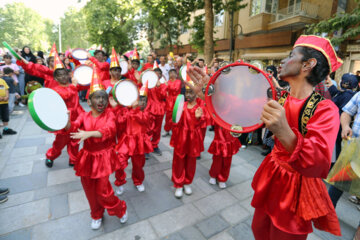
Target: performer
115,73
223,147
149,64
101,64
173,90
289,192
133,74
98,159
134,143
69,93
186,140
156,102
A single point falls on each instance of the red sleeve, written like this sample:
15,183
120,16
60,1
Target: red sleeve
103,66
32,69
108,130
161,91
78,123
312,155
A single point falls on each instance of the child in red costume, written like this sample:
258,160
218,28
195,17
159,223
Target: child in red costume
98,159
135,142
99,60
173,90
133,74
290,195
69,93
156,103
223,147
186,140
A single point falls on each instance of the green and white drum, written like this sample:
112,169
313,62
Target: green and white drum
178,108
183,72
149,76
11,50
125,92
48,109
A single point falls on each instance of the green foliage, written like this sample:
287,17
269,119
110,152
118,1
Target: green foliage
111,23
197,35
20,26
348,23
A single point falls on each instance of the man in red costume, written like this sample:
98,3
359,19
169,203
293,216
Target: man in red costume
149,64
289,193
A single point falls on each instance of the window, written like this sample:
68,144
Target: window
219,19
183,29
264,6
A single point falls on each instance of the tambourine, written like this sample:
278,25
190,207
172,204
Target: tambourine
235,97
48,109
183,73
178,108
83,74
125,92
124,67
79,54
149,76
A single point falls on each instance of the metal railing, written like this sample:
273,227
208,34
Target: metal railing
299,9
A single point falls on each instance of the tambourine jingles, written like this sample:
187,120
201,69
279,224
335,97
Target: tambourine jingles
235,96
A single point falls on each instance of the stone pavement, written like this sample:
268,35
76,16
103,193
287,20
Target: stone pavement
50,203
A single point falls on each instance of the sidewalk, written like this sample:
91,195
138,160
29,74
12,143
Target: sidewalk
50,203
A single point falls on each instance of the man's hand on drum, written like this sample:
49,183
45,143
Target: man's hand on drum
199,78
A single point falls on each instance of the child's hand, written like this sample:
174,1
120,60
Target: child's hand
68,125
89,55
112,102
198,112
82,135
135,104
74,81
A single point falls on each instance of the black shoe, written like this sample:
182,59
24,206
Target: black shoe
266,152
9,131
0,136
4,191
211,129
71,164
157,151
166,134
49,163
3,199
198,158
147,156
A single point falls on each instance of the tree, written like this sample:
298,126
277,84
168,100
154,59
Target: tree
347,23
110,23
209,31
20,26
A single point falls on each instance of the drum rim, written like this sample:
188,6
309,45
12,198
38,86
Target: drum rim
142,74
210,106
183,66
176,106
75,50
33,113
82,65
113,90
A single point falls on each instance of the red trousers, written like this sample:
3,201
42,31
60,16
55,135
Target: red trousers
138,175
183,170
220,168
264,229
203,133
168,121
157,130
100,195
62,140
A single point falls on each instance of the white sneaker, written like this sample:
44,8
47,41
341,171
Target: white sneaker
222,185
187,189
243,146
178,192
96,223
140,188
124,218
212,181
21,105
119,190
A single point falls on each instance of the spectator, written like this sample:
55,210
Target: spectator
8,73
4,108
165,68
29,56
8,64
68,65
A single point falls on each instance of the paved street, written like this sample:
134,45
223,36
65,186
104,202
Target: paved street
50,203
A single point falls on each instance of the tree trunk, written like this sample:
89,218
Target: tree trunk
209,32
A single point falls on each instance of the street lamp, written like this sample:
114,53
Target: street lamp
232,36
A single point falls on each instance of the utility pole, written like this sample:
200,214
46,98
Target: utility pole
60,35
231,13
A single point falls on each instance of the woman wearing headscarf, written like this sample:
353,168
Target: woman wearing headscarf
30,57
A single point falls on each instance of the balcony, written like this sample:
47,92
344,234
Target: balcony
299,14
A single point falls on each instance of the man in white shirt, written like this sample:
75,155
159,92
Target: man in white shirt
165,68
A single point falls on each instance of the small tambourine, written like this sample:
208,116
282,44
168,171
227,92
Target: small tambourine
151,77
48,109
83,74
124,67
235,97
125,92
183,72
79,54
178,108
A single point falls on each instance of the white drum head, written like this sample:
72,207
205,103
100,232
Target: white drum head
83,74
48,109
126,92
149,76
124,67
79,54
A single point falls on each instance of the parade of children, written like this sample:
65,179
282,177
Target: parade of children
140,110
